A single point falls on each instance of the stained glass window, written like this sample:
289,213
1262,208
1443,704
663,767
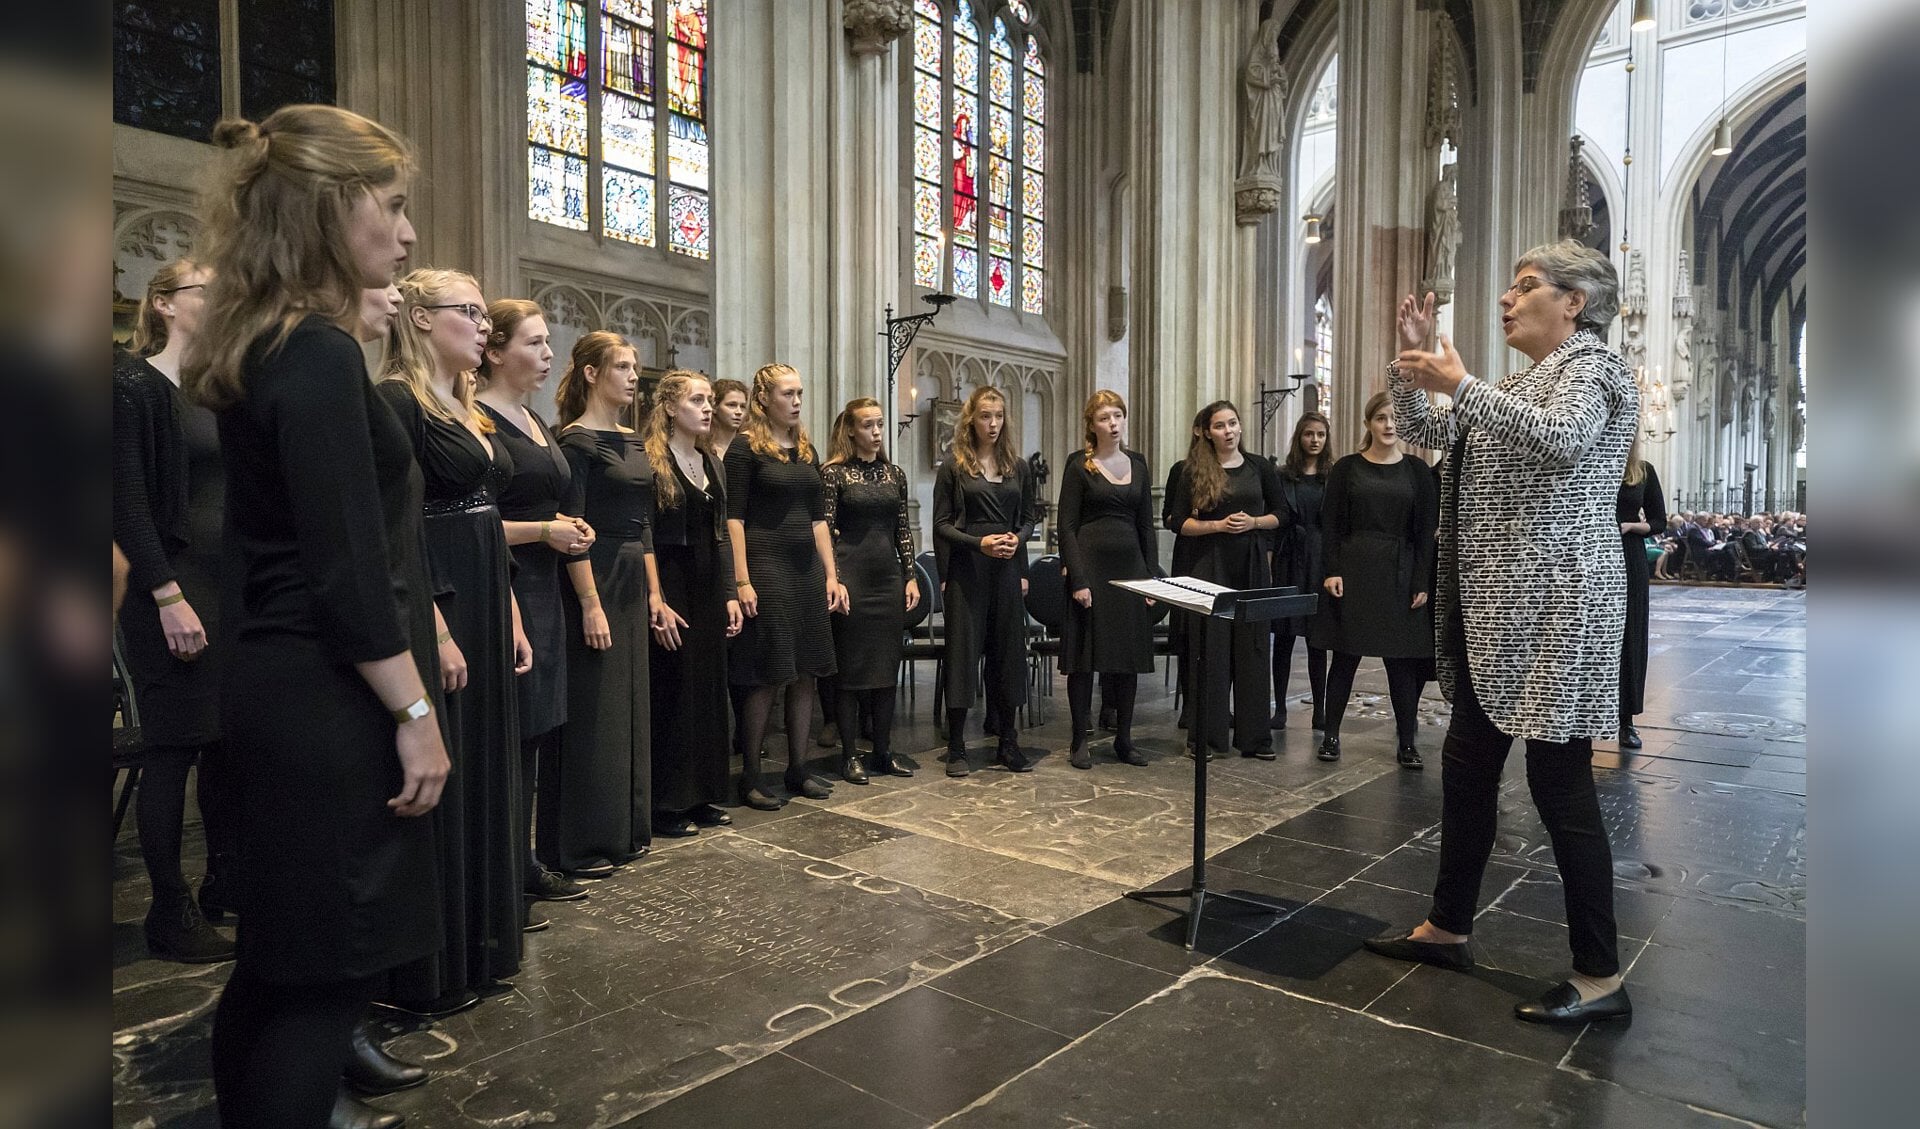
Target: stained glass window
962,71
641,46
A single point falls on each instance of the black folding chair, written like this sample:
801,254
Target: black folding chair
1046,606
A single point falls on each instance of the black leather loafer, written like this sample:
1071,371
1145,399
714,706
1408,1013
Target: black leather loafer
1629,737
1455,958
1561,1006
706,815
593,868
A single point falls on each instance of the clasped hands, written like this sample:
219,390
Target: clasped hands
1000,545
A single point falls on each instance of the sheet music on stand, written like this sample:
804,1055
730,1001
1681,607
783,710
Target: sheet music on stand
1187,592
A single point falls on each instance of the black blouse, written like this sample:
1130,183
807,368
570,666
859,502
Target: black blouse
149,474
1253,488
967,507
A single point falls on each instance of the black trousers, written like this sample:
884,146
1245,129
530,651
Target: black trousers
1238,678
1560,776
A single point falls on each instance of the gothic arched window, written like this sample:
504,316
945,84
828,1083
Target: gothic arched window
980,236
643,47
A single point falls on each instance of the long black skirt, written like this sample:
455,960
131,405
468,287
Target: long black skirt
690,684
1633,647
605,792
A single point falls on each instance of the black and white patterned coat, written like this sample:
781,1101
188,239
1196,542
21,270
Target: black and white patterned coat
1530,526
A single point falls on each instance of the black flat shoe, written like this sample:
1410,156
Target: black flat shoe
371,1070
546,886
884,764
1455,958
593,868
1012,758
1077,755
761,801
350,1112
1629,737
809,787
1329,748
1127,754
1561,1006
533,922
675,828
1409,758
854,771
957,763
706,815
1259,754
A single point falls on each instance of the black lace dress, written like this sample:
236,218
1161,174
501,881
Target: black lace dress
695,560
482,852
866,508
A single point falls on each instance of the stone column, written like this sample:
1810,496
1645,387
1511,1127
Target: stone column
864,185
1187,271
1383,173
773,184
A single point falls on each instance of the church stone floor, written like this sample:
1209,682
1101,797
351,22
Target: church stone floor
927,951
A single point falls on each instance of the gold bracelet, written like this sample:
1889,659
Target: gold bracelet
546,527
169,601
743,584
444,637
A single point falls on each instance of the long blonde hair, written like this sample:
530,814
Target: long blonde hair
1636,471
273,232
840,444
408,357
591,351
759,429
149,327
965,459
1101,399
668,395
1204,472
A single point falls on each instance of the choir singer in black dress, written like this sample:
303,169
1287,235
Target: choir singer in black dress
866,506
168,504
1298,558
982,515
1378,521
604,802
693,557
1106,534
1641,509
518,358
1225,507
324,703
785,573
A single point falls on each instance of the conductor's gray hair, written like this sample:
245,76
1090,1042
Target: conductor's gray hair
1576,266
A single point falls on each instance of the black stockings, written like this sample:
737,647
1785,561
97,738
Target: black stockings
758,710
1283,670
866,710
1118,690
1403,688
161,800
278,1049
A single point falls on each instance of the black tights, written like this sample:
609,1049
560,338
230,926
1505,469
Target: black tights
1117,690
532,751
162,812
757,710
278,1048
1403,688
1283,669
877,705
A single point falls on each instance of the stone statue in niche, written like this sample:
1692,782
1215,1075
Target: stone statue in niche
1767,417
1443,234
1633,299
1263,127
1682,378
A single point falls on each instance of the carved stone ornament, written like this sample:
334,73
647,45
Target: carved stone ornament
1443,88
1263,128
1443,234
1255,197
1576,216
873,25
1116,312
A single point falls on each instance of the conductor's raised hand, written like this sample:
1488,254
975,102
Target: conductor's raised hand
1415,321
1439,371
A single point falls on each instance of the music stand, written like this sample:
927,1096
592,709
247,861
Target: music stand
1217,608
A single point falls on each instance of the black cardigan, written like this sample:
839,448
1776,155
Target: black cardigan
149,473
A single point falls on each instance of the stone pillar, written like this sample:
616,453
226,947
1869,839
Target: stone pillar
1383,173
774,177
864,184
1185,265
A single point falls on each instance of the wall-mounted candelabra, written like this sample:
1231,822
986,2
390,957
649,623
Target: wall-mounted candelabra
899,333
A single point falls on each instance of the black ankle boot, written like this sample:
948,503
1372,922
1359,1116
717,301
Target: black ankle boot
371,1070
853,770
218,894
1125,753
176,931
1329,747
1077,755
957,764
350,1112
1008,754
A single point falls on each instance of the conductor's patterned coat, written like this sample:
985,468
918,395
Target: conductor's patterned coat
1527,519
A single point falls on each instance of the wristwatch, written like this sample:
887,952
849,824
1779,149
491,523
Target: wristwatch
414,712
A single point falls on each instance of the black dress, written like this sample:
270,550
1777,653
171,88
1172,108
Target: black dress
1378,525
482,854
1298,557
323,547
168,506
1237,560
541,480
778,500
605,795
1106,534
985,612
694,557
866,510
1644,496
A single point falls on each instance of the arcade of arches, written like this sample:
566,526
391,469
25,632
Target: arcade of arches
1180,200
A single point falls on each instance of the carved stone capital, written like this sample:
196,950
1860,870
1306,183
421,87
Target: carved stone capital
1442,289
873,25
1116,312
1255,197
